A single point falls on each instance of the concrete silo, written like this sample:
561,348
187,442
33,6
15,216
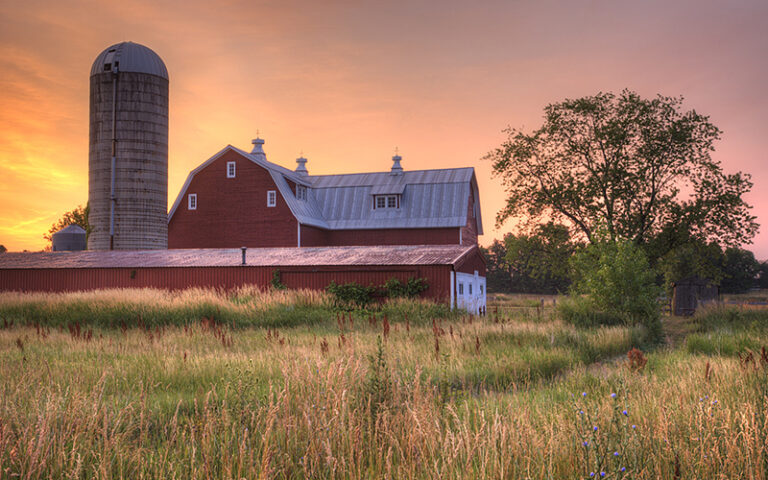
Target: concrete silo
128,150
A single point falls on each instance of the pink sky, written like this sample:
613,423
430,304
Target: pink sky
348,81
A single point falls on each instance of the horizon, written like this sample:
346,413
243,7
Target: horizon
346,84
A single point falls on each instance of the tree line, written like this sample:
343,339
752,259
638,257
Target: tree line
617,168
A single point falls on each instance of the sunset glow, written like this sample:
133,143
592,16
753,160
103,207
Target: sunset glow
346,82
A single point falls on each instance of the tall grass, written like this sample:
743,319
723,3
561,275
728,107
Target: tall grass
497,398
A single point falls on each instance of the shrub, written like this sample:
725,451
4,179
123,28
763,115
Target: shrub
394,288
616,281
351,295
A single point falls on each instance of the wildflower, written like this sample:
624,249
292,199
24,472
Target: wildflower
586,444
583,394
701,399
625,413
714,402
634,427
623,469
613,395
591,474
602,474
581,412
615,454
594,428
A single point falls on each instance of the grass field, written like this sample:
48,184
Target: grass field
147,384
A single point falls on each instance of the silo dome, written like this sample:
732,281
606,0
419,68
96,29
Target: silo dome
128,150
129,57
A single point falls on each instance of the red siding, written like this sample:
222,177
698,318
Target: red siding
177,278
469,231
232,212
472,262
315,237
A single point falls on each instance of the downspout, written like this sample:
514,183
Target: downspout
453,286
112,198
298,233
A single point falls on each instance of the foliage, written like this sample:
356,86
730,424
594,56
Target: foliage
78,216
616,280
3,249
276,281
626,162
394,288
352,295
378,385
539,262
740,269
498,274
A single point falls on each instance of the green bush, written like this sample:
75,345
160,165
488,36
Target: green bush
617,284
351,295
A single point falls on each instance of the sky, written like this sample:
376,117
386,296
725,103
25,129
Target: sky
346,82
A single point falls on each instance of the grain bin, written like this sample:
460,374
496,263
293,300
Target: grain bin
128,150
69,239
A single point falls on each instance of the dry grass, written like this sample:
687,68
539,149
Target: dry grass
496,399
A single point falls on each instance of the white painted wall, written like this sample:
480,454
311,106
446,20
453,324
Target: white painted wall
470,292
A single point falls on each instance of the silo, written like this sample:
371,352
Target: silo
128,150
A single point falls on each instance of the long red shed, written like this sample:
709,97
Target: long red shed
455,273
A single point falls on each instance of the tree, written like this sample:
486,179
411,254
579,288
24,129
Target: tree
539,262
632,164
740,270
78,216
498,272
3,249
616,280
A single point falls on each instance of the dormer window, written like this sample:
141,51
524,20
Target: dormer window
301,192
231,169
386,201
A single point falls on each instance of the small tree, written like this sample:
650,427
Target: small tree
3,249
615,279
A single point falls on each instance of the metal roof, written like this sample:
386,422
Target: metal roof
430,198
132,57
232,257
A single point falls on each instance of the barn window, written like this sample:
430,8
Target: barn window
231,168
192,201
470,289
386,201
461,289
271,198
481,289
301,192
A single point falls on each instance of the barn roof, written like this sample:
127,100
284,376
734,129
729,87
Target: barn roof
232,257
430,198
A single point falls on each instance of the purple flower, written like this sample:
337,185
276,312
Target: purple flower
594,428
615,454
583,394
581,412
613,395
634,427
591,474
586,444
602,474
623,469
714,402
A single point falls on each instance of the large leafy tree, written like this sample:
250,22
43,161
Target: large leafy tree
78,216
539,262
625,163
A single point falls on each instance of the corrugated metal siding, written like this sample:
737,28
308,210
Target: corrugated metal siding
64,280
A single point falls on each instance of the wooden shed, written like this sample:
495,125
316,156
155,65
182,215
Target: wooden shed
692,292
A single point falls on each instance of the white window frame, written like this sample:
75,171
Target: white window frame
231,169
470,288
301,192
386,201
461,288
192,201
272,198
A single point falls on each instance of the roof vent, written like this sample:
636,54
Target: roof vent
397,169
257,149
301,169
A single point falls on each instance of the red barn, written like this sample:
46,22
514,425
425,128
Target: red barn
239,199
454,273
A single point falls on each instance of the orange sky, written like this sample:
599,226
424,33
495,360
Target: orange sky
346,81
